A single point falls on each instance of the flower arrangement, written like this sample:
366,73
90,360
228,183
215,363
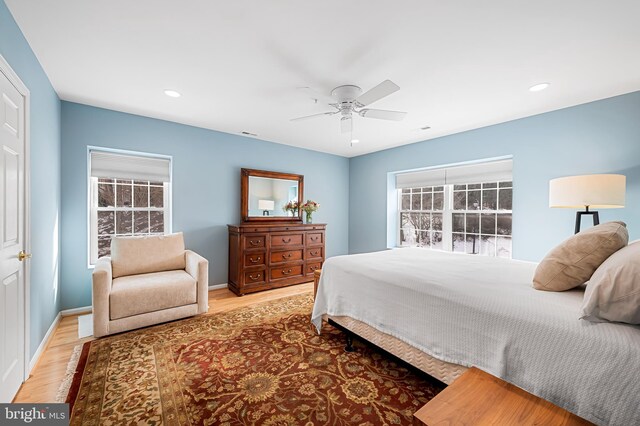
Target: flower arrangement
309,207
292,206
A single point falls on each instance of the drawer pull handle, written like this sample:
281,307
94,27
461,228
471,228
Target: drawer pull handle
252,260
286,241
254,242
314,253
286,256
286,272
254,277
314,238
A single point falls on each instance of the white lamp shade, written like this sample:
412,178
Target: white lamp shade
266,204
596,191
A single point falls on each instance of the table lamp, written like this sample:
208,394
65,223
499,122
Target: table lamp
587,191
265,206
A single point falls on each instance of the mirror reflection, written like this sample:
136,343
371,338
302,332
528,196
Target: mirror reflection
268,196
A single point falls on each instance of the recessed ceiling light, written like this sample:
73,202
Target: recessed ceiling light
539,87
355,140
172,93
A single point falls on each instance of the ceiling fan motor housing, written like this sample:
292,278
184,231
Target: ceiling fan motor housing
347,93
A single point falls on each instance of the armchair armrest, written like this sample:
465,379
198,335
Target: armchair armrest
198,268
101,286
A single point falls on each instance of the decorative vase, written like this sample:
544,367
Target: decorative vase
308,217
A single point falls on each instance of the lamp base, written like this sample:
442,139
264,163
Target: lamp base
594,215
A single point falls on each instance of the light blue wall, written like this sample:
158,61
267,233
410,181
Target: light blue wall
45,176
598,137
206,185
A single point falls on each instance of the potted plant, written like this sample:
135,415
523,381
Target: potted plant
309,207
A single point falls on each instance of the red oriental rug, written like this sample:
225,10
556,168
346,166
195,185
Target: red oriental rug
262,365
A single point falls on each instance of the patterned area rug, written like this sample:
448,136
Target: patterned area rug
263,365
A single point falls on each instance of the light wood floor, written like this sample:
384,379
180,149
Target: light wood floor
45,379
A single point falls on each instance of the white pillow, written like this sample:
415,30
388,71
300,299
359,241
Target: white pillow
613,292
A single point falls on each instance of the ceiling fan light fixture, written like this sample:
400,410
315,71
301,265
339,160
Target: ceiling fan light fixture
539,87
172,93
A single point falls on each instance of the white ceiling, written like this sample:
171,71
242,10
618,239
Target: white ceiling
460,64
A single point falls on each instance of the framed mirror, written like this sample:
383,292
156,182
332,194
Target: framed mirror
265,195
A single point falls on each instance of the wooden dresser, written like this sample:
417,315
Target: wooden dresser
269,255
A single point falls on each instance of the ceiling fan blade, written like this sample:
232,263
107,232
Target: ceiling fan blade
307,117
383,114
346,124
383,89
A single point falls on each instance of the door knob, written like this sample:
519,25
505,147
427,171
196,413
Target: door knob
23,255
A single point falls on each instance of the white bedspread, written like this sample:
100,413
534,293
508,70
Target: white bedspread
483,312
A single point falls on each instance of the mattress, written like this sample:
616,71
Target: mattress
480,311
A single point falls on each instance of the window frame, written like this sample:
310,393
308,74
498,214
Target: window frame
92,199
447,216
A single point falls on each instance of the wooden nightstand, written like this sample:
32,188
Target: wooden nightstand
478,398
316,280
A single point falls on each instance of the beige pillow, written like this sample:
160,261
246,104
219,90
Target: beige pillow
141,255
574,261
613,293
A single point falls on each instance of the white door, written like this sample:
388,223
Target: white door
12,244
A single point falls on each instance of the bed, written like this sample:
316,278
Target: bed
455,311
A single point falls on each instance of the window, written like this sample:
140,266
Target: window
421,217
472,218
128,195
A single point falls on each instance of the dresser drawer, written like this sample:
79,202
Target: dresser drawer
311,267
255,241
285,271
285,256
255,259
254,277
284,240
315,238
314,253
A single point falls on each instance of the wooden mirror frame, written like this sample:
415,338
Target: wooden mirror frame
244,191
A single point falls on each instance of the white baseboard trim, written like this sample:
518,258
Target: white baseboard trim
218,286
44,343
76,311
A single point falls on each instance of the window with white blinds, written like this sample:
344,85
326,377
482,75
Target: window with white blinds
464,208
129,194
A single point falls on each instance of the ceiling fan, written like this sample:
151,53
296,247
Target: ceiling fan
350,100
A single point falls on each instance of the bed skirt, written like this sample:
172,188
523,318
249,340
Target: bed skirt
444,371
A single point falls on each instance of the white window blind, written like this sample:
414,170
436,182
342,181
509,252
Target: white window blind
491,171
121,166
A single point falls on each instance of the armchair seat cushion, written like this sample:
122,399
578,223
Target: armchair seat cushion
139,294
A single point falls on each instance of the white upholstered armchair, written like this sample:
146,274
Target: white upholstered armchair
147,280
